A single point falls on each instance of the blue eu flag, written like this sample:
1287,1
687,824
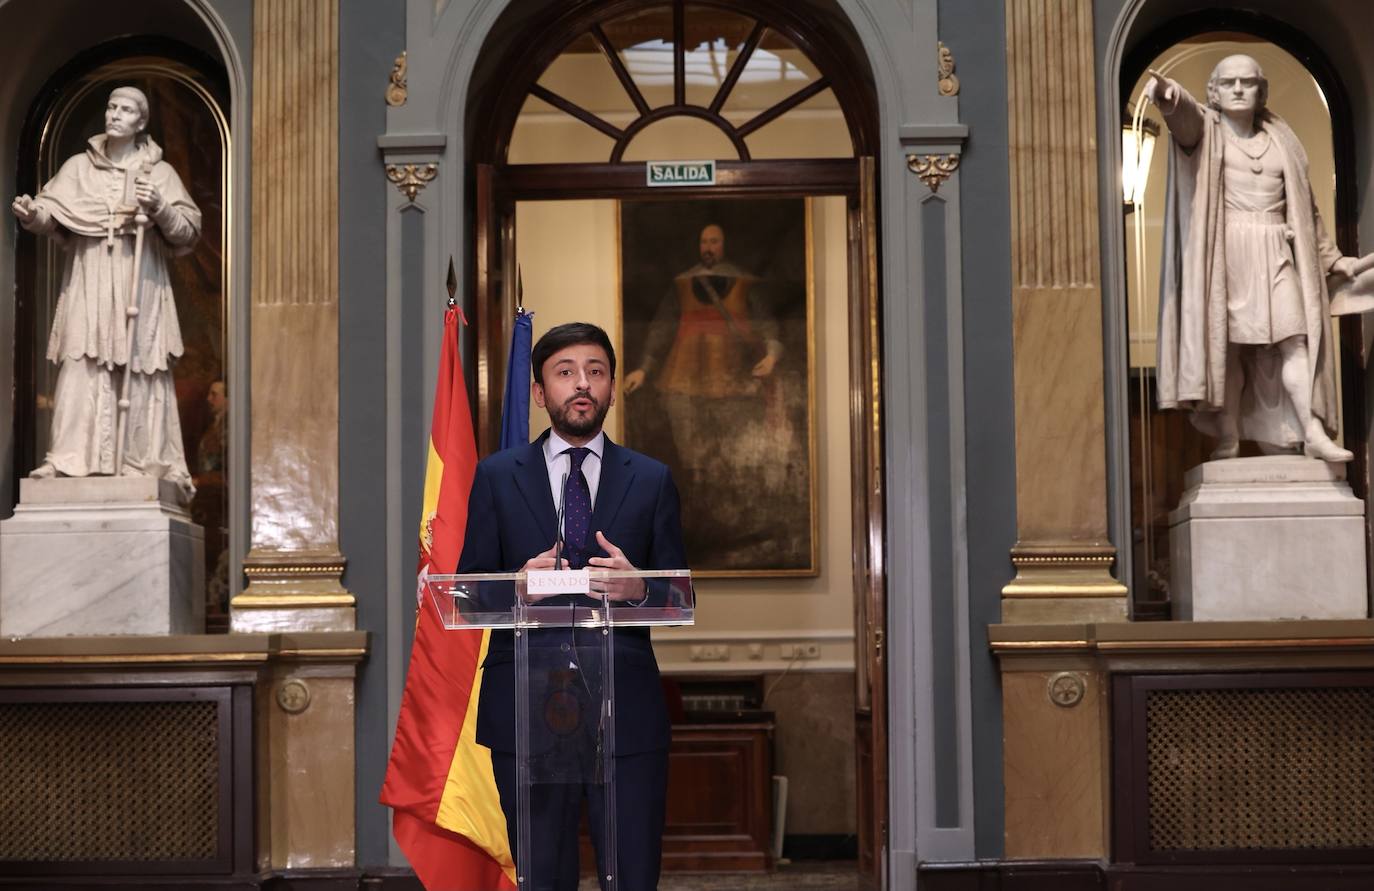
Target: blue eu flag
515,408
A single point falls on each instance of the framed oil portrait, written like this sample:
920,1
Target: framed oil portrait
717,374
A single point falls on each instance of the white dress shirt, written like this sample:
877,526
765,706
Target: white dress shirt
559,465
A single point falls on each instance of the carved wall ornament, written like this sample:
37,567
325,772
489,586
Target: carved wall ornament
933,169
1066,689
293,696
949,81
396,90
411,178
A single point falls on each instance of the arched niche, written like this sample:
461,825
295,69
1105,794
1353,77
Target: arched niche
1147,30
39,40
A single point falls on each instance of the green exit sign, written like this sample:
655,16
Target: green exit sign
680,173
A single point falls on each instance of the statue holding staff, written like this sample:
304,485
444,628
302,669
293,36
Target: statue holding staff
115,333
1244,325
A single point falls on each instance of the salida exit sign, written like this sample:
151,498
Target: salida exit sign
680,173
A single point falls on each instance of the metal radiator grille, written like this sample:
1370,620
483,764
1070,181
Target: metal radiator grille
132,781
1261,769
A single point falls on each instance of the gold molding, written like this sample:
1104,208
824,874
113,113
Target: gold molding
295,570
1170,637
949,81
134,659
999,646
396,90
350,653
933,169
1063,570
293,601
1316,643
411,178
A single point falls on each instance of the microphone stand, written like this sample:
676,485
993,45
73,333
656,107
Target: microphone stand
558,553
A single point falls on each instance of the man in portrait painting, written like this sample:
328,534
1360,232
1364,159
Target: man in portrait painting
710,353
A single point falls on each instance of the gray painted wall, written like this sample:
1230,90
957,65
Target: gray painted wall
371,35
976,33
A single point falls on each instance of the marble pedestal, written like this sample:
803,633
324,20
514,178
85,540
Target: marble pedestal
101,555
1278,537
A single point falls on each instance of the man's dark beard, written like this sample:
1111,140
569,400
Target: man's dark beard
566,424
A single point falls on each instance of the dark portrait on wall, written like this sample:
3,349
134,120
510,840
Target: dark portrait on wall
716,376
188,119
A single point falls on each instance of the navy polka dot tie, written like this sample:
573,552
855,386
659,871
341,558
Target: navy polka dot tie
577,510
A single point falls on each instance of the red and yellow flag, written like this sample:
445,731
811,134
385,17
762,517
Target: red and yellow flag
446,814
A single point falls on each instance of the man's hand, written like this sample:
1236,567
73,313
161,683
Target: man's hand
538,561
24,209
633,381
615,589
765,366
541,561
1161,90
149,198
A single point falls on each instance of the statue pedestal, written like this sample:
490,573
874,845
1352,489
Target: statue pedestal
101,555
1278,537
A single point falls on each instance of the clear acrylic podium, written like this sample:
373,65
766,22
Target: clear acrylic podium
564,658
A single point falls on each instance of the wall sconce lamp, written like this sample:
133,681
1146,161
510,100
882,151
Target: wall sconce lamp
1137,149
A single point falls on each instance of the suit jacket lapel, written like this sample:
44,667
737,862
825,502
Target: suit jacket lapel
616,477
532,479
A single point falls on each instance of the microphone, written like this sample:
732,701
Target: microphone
558,553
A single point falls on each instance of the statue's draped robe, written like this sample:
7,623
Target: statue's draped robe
1193,319
77,208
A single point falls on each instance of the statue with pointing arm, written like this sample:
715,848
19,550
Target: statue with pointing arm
1248,272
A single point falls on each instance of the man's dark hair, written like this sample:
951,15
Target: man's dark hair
571,334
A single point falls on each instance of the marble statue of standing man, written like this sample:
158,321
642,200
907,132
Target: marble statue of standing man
1244,325
88,208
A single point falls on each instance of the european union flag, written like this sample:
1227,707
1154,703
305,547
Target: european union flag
515,408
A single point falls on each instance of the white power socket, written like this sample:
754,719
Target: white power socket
805,650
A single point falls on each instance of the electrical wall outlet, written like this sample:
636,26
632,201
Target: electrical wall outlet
710,652
804,650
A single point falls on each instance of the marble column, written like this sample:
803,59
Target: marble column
1063,556
294,566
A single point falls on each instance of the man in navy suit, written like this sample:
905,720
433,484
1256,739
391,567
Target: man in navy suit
620,511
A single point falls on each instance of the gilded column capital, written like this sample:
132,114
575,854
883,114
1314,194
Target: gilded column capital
933,170
411,178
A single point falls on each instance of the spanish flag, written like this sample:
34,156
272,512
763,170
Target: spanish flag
446,814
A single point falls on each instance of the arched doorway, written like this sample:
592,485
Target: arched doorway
763,116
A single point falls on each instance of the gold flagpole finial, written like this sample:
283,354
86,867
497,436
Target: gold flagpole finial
452,284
